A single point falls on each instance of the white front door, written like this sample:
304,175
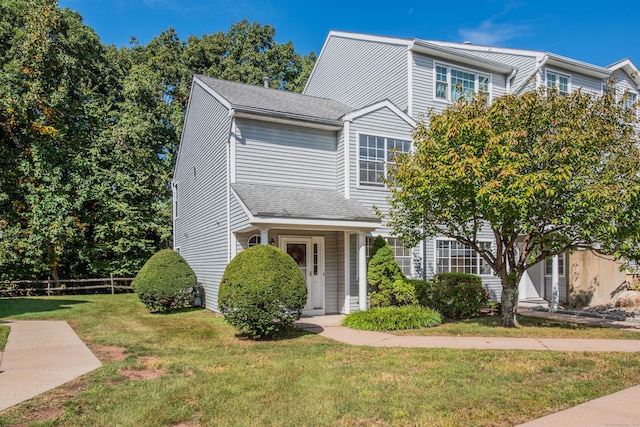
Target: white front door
308,253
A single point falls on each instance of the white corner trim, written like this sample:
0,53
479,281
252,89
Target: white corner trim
346,139
409,82
212,92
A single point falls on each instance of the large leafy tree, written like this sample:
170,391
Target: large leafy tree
89,134
544,173
50,91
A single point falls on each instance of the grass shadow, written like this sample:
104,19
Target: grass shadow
13,307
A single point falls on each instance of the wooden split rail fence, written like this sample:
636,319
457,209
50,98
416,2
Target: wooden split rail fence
49,286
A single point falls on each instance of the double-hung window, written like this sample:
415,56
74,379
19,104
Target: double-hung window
629,100
376,153
455,257
558,81
452,84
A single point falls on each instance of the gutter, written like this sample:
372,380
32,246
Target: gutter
541,64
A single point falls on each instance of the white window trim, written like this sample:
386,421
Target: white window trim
435,256
561,260
629,92
464,69
367,186
558,73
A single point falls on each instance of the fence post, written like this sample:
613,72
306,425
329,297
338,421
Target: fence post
48,285
111,280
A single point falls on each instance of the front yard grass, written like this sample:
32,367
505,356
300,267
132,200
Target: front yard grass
189,368
4,333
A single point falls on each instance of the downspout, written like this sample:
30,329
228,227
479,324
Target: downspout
510,80
228,189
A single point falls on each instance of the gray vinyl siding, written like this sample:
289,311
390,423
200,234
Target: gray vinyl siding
423,83
239,218
271,153
340,252
200,228
360,72
340,182
383,123
525,64
578,81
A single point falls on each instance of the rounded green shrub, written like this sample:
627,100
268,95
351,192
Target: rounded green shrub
165,282
262,291
393,318
382,273
459,295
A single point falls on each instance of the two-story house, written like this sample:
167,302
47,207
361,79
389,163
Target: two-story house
303,171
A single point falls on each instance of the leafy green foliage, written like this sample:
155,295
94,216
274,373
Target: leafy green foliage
262,291
546,173
393,318
165,283
378,243
90,133
4,334
383,272
459,295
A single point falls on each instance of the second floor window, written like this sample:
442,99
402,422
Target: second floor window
629,100
376,153
558,81
453,84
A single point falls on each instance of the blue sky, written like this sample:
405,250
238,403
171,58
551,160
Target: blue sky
597,32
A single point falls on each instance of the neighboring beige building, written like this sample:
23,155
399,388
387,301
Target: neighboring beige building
596,279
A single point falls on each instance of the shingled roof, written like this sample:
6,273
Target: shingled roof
301,203
260,100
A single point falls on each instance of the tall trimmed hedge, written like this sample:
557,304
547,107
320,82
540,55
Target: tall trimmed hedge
165,282
387,284
262,291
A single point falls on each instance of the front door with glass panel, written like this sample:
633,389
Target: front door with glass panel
308,253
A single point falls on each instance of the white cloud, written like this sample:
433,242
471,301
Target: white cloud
491,33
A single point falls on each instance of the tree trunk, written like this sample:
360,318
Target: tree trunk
510,306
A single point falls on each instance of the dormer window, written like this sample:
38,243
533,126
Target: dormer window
558,81
453,84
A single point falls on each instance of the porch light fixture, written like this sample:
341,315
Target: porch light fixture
272,242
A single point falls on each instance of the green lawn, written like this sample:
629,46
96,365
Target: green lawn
4,333
193,370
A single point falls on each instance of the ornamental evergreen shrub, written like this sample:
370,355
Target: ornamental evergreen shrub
165,282
393,318
458,295
382,272
378,242
262,291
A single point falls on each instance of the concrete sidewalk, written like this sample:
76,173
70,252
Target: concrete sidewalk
329,327
39,356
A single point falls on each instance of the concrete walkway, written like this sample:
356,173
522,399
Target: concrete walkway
618,409
40,356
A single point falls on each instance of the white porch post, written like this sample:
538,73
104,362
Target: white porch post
362,271
555,283
264,236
